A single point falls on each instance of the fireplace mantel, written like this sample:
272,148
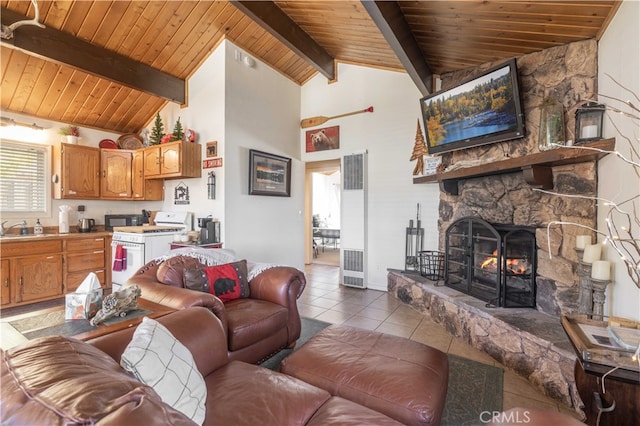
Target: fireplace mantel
537,168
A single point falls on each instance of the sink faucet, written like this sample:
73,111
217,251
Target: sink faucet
3,229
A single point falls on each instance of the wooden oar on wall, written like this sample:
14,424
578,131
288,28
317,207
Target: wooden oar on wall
321,119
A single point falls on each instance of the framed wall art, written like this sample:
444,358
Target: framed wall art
322,139
269,174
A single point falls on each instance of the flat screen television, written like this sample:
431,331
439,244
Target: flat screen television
482,110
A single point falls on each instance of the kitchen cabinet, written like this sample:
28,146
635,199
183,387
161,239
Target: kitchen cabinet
115,179
5,277
76,172
143,189
34,271
173,160
83,256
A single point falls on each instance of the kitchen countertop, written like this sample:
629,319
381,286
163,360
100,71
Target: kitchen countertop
17,237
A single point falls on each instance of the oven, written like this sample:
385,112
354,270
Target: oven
133,246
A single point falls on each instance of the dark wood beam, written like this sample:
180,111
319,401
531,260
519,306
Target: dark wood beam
388,16
63,48
278,24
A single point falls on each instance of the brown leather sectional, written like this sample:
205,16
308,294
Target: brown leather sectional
58,380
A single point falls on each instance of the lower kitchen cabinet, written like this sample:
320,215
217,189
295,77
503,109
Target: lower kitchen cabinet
83,256
35,270
5,291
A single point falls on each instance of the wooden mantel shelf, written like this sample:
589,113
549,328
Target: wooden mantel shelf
537,168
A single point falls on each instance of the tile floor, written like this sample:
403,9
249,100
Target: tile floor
324,299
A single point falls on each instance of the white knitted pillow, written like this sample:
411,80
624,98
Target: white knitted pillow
156,358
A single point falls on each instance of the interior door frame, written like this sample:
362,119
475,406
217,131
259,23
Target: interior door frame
310,168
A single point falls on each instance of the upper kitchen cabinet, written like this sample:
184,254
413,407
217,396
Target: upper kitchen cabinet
150,190
76,171
173,160
115,179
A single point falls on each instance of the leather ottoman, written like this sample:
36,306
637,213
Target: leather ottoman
403,379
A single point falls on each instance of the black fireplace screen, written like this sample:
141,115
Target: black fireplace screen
494,263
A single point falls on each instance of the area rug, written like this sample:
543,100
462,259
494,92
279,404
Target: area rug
54,324
474,388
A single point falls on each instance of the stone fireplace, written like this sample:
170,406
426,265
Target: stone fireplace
530,341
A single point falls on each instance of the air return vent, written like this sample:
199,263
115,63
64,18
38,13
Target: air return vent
353,172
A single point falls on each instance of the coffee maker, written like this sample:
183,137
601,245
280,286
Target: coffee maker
209,230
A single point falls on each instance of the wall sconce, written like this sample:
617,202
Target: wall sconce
211,186
589,122
6,121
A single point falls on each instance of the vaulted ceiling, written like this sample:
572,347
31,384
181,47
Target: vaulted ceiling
113,64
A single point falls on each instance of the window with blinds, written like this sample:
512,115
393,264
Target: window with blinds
23,178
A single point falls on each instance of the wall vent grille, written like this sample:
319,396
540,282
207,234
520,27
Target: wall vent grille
353,260
353,281
353,172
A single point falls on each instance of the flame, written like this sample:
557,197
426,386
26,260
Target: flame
515,266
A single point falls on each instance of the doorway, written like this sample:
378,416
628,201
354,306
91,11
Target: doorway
323,205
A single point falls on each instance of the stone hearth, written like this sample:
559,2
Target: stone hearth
531,343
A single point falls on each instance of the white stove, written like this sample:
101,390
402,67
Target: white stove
133,246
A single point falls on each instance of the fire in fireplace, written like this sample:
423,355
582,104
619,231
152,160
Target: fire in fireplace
492,262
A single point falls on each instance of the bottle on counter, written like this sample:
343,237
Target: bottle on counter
37,228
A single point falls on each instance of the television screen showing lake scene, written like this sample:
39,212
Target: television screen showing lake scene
473,112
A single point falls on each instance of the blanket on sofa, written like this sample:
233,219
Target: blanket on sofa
220,256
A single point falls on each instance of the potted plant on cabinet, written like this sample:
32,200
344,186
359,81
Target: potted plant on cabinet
71,133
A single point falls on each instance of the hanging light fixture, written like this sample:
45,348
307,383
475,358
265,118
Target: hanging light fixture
6,121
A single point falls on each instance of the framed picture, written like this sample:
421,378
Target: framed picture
212,149
322,139
269,174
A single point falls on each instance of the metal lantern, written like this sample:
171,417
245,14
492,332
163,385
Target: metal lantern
211,186
589,122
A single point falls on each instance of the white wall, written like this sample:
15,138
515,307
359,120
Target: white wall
388,134
263,113
617,180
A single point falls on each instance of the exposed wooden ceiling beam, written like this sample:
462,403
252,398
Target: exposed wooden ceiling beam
390,20
55,45
278,24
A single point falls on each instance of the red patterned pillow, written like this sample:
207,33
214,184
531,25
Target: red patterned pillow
228,281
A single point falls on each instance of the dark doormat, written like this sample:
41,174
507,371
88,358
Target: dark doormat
474,393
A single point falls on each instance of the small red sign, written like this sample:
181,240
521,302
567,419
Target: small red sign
210,163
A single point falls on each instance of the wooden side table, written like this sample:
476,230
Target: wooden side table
597,363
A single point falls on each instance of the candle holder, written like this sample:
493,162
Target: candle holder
585,288
599,287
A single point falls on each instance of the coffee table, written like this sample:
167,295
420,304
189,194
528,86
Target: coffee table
51,322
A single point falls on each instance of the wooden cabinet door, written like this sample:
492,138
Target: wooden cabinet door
152,161
116,174
171,161
81,171
38,277
152,189
5,277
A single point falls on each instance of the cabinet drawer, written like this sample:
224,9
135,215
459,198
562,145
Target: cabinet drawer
28,248
85,261
75,279
84,244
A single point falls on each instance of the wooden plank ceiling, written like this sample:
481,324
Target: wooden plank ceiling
96,82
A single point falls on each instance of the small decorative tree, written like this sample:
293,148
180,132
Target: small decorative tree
178,132
158,131
419,151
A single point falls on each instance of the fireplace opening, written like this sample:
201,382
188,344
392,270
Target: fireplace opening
495,263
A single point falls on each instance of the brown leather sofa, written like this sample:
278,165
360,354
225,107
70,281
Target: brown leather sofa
57,380
256,327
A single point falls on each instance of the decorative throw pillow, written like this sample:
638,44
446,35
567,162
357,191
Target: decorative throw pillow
195,279
156,358
171,271
228,281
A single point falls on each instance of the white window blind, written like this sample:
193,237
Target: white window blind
23,185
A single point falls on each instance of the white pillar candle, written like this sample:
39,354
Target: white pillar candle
582,241
589,132
591,253
601,270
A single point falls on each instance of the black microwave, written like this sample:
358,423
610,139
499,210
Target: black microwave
111,220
